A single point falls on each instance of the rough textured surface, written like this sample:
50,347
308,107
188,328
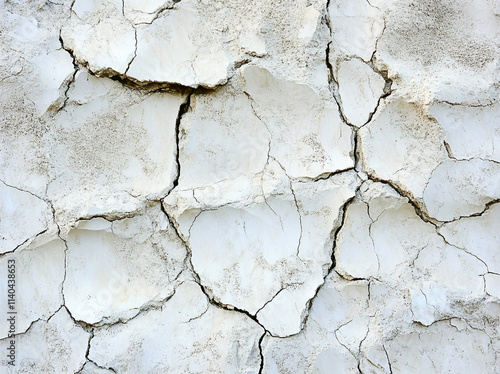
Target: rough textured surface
202,186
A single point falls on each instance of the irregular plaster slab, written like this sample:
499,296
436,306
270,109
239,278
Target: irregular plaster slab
381,235
360,89
55,346
426,42
470,132
217,147
478,236
470,185
294,36
246,247
34,73
355,253
109,145
168,43
164,43
295,114
175,49
383,238
404,146
39,274
186,335
320,347
390,312
286,245
36,60
355,27
445,274
401,144
18,207
221,139
99,36
113,269
319,205
420,351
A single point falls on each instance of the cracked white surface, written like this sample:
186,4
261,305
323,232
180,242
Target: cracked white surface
114,269
471,132
277,239
204,186
478,236
111,156
402,145
424,56
360,89
139,345
323,345
356,26
466,350
40,277
57,345
17,207
294,114
470,186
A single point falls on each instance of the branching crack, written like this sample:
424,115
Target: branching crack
342,215
71,81
411,200
49,204
334,86
337,338
159,12
296,205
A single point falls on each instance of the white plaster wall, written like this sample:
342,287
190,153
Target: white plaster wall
201,186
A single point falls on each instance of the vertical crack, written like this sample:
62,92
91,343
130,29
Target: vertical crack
71,81
135,53
300,219
183,109
261,368
334,86
342,215
388,360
